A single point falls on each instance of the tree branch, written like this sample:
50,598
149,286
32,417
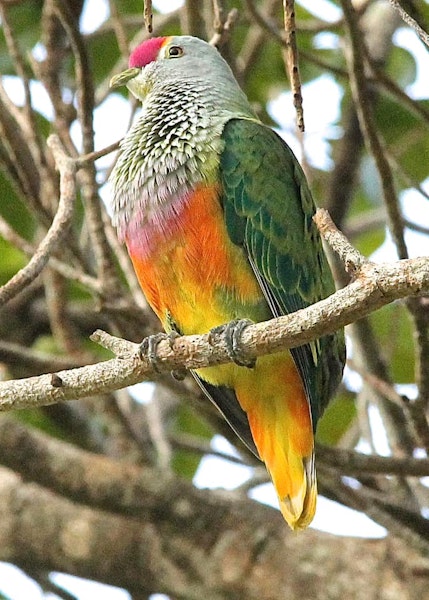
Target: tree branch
148,16
292,61
374,286
150,532
408,19
349,462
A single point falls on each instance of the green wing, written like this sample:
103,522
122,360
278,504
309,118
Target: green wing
269,211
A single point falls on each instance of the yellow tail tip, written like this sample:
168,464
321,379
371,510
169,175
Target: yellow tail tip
298,514
298,510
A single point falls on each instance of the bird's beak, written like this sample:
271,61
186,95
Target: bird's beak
124,77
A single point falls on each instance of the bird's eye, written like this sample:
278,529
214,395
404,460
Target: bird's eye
175,51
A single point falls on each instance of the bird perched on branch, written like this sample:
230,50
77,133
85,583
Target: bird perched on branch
217,217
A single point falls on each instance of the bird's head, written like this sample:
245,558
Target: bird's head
174,58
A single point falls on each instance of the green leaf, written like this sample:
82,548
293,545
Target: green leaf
38,419
405,136
363,206
126,7
401,66
268,76
394,330
24,19
46,343
13,209
185,462
336,419
12,260
104,53
367,243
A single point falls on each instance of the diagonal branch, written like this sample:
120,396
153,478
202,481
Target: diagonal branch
408,19
374,286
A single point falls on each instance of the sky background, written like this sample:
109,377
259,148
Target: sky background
320,119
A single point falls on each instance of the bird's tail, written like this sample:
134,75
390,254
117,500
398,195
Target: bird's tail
291,468
280,421
299,510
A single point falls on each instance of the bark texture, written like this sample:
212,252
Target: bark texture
214,548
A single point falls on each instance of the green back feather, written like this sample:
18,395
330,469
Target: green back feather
269,211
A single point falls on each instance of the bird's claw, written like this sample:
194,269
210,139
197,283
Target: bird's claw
232,333
149,345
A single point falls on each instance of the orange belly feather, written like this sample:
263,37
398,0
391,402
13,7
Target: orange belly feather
189,273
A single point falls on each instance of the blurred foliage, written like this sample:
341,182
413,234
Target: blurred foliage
402,128
395,333
25,20
11,260
337,419
399,126
187,421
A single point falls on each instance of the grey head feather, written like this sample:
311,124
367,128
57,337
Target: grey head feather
175,143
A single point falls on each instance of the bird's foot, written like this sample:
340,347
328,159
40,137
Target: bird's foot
232,333
149,345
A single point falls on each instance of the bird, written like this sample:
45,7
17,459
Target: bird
217,217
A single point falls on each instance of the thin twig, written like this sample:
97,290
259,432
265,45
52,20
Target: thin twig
148,15
49,72
118,28
84,80
352,259
124,408
93,208
18,156
408,19
192,19
409,181
36,359
202,447
388,391
93,156
395,91
255,39
14,238
125,263
56,303
417,411
31,128
292,61
419,309
60,225
265,23
222,27
66,269
383,387
157,432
